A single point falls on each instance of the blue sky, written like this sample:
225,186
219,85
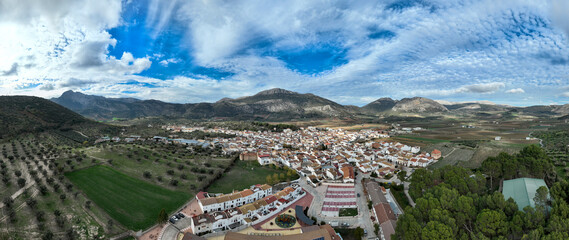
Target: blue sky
511,52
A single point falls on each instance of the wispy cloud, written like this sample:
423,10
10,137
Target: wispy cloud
482,88
368,49
516,90
165,62
559,14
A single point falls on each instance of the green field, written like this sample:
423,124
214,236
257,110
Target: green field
243,175
348,212
132,202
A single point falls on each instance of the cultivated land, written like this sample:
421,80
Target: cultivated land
170,166
556,144
42,200
48,203
247,173
459,145
468,147
38,198
132,202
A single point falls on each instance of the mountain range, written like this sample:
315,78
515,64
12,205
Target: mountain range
281,104
25,114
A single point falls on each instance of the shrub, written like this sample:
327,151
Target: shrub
21,182
174,182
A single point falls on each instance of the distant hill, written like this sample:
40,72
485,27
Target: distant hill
282,105
270,104
379,105
418,105
25,114
562,109
98,107
278,103
405,105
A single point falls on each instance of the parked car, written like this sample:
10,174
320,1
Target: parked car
180,215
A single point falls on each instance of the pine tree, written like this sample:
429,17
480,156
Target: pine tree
162,216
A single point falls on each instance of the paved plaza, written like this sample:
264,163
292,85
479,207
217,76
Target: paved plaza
337,197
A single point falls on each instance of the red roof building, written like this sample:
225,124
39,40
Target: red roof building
436,154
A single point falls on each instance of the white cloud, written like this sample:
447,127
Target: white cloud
565,94
52,41
12,71
76,83
559,14
516,90
91,54
47,87
165,62
474,41
159,14
481,88
457,48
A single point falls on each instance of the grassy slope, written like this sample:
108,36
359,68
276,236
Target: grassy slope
132,202
243,175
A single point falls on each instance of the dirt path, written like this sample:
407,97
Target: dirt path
445,156
81,133
29,184
35,193
29,180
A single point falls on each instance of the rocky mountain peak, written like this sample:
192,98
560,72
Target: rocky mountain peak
419,105
275,91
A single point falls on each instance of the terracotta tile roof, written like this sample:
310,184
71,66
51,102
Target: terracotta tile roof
246,192
270,199
247,208
208,201
201,195
288,190
222,198
384,212
280,194
235,196
260,203
388,228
